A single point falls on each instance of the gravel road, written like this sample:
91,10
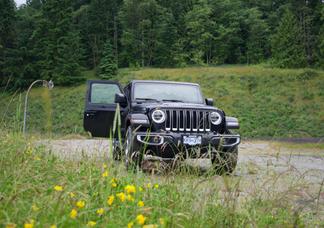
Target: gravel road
257,155
264,169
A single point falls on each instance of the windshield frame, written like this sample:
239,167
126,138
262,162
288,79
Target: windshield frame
170,83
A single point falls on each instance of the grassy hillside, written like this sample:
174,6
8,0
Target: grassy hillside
268,102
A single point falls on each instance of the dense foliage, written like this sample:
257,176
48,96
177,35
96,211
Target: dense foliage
108,66
54,38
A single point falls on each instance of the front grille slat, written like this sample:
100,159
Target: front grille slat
187,120
201,121
207,122
168,120
181,120
174,120
194,121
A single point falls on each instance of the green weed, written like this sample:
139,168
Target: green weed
38,188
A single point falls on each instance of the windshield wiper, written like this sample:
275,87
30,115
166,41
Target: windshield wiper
172,100
146,99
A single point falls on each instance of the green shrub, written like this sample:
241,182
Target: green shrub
307,75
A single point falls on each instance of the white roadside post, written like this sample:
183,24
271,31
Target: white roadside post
48,84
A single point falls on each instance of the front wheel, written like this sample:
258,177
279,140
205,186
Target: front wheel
133,157
116,150
225,162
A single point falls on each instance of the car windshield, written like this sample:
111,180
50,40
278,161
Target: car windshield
170,92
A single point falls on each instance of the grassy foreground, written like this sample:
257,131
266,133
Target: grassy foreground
38,189
269,102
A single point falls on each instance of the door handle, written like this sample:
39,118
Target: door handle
91,113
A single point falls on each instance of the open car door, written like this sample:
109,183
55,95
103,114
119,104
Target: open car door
100,107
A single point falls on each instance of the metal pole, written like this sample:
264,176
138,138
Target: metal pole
26,101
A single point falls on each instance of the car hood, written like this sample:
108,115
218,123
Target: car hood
171,105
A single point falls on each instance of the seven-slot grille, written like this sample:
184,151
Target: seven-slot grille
187,120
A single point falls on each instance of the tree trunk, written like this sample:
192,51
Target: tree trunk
116,40
143,49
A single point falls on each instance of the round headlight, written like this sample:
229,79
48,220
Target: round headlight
158,116
215,118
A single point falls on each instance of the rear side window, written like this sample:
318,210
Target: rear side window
103,93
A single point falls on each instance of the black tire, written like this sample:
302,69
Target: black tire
225,162
116,150
133,158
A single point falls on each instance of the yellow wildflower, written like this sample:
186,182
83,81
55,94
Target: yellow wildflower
11,225
100,211
91,223
121,196
113,182
58,188
71,194
161,220
35,208
130,198
150,226
80,204
105,174
37,158
29,150
140,219
73,213
130,189
110,200
130,225
149,185
140,189
156,186
53,226
140,203
29,224
104,166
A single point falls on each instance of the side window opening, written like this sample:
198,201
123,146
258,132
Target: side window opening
103,93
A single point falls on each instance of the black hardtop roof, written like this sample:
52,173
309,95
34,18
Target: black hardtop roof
163,81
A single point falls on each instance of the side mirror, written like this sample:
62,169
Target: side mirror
209,101
121,99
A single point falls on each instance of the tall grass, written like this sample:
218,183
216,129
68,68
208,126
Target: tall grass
29,174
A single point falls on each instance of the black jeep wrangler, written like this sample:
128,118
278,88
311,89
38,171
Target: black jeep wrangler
162,119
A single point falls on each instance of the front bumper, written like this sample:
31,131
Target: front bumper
170,143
